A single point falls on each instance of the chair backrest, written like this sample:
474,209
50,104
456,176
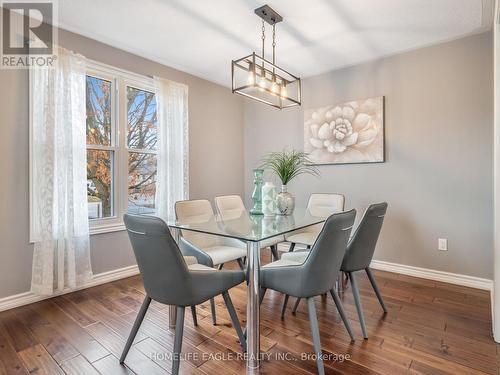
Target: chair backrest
159,259
362,245
323,204
229,206
195,211
325,258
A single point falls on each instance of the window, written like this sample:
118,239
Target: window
121,146
100,150
141,142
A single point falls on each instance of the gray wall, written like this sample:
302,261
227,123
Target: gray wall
215,140
437,177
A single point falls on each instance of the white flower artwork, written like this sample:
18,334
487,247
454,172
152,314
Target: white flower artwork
351,132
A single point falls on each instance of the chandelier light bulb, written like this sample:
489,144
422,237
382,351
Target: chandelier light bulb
275,88
251,78
263,82
283,91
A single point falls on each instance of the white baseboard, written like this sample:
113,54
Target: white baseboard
26,298
424,273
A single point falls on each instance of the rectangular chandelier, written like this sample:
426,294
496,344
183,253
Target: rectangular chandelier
257,78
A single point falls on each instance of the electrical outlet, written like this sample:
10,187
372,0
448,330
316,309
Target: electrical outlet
443,244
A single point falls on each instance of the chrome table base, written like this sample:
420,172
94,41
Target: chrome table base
253,313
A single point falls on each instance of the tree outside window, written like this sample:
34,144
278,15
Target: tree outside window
104,150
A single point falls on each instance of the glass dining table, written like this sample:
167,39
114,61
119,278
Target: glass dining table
251,229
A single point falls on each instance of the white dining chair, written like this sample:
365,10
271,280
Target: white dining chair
319,204
232,207
209,250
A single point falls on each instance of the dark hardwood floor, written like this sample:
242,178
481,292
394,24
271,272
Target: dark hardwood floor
431,328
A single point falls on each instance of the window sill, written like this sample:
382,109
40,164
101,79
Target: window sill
100,229
107,228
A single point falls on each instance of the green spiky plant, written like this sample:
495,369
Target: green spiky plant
289,164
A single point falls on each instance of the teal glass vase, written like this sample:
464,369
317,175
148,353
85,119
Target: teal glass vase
257,192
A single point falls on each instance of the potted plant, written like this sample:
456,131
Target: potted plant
287,165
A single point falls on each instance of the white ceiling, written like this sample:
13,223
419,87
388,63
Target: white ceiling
201,37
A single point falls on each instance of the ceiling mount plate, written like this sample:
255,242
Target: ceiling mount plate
268,14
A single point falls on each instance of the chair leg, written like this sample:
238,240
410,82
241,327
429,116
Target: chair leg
193,313
296,306
376,289
135,327
345,280
274,252
341,311
292,246
234,319
179,331
338,282
240,263
359,306
212,308
313,320
220,266
262,294
283,309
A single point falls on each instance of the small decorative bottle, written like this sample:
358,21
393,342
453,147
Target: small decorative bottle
269,199
257,192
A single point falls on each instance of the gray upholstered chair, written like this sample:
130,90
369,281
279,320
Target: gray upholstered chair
232,207
359,255
297,258
169,280
318,272
208,250
320,204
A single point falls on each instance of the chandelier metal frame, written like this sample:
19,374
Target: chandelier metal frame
266,81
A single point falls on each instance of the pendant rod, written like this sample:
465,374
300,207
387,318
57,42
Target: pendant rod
263,42
274,48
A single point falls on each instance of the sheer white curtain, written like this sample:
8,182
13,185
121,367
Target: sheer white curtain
60,227
172,183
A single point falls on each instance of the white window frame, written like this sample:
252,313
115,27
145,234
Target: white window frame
113,221
120,79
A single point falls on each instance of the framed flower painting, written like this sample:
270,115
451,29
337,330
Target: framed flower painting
351,132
